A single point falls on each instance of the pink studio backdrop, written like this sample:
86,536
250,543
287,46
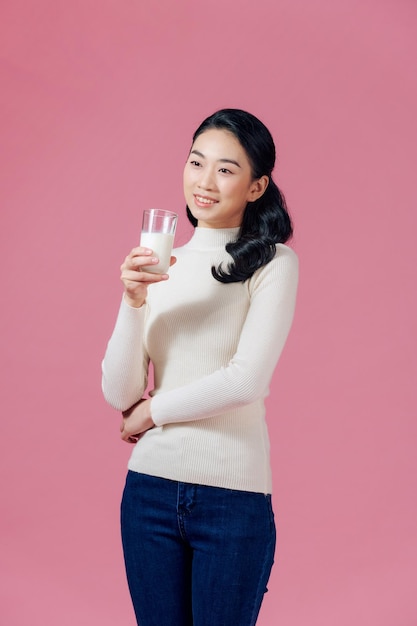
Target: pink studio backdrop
98,105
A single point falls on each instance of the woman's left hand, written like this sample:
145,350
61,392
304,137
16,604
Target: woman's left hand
136,421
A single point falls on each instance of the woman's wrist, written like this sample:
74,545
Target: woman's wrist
133,302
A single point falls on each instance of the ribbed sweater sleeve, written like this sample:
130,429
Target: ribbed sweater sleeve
125,365
246,377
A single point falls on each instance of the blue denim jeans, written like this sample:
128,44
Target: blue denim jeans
195,555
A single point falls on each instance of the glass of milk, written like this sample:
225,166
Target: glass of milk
158,230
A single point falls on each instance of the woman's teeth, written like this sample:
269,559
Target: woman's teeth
204,200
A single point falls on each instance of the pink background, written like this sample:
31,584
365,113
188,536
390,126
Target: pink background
98,104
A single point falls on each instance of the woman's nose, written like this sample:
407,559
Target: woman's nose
207,180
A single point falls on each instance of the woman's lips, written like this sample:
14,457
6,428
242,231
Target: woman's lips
204,200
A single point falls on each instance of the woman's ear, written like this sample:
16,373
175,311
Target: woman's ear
258,188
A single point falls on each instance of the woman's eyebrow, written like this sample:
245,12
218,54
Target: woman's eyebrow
201,155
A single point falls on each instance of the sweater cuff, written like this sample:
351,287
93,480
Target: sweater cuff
125,305
157,420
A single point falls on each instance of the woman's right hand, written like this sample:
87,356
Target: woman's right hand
135,280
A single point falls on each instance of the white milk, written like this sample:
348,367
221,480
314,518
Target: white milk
161,244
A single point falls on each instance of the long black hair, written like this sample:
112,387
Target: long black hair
265,221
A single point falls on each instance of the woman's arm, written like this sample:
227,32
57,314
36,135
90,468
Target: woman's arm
125,364
246,378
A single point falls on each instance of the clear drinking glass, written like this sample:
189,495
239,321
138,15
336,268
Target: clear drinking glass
158,231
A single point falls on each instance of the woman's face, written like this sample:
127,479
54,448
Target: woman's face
218,180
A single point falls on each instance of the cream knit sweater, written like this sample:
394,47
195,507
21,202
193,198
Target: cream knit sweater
214,348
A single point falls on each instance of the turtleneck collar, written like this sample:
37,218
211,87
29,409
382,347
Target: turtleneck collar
212,238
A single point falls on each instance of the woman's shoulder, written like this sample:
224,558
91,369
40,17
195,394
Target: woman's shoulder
284,255
284,265
282,250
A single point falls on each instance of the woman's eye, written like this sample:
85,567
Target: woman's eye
196,163
224,170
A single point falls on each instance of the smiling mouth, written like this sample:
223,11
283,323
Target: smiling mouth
205,201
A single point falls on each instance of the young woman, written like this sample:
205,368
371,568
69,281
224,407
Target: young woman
197,522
